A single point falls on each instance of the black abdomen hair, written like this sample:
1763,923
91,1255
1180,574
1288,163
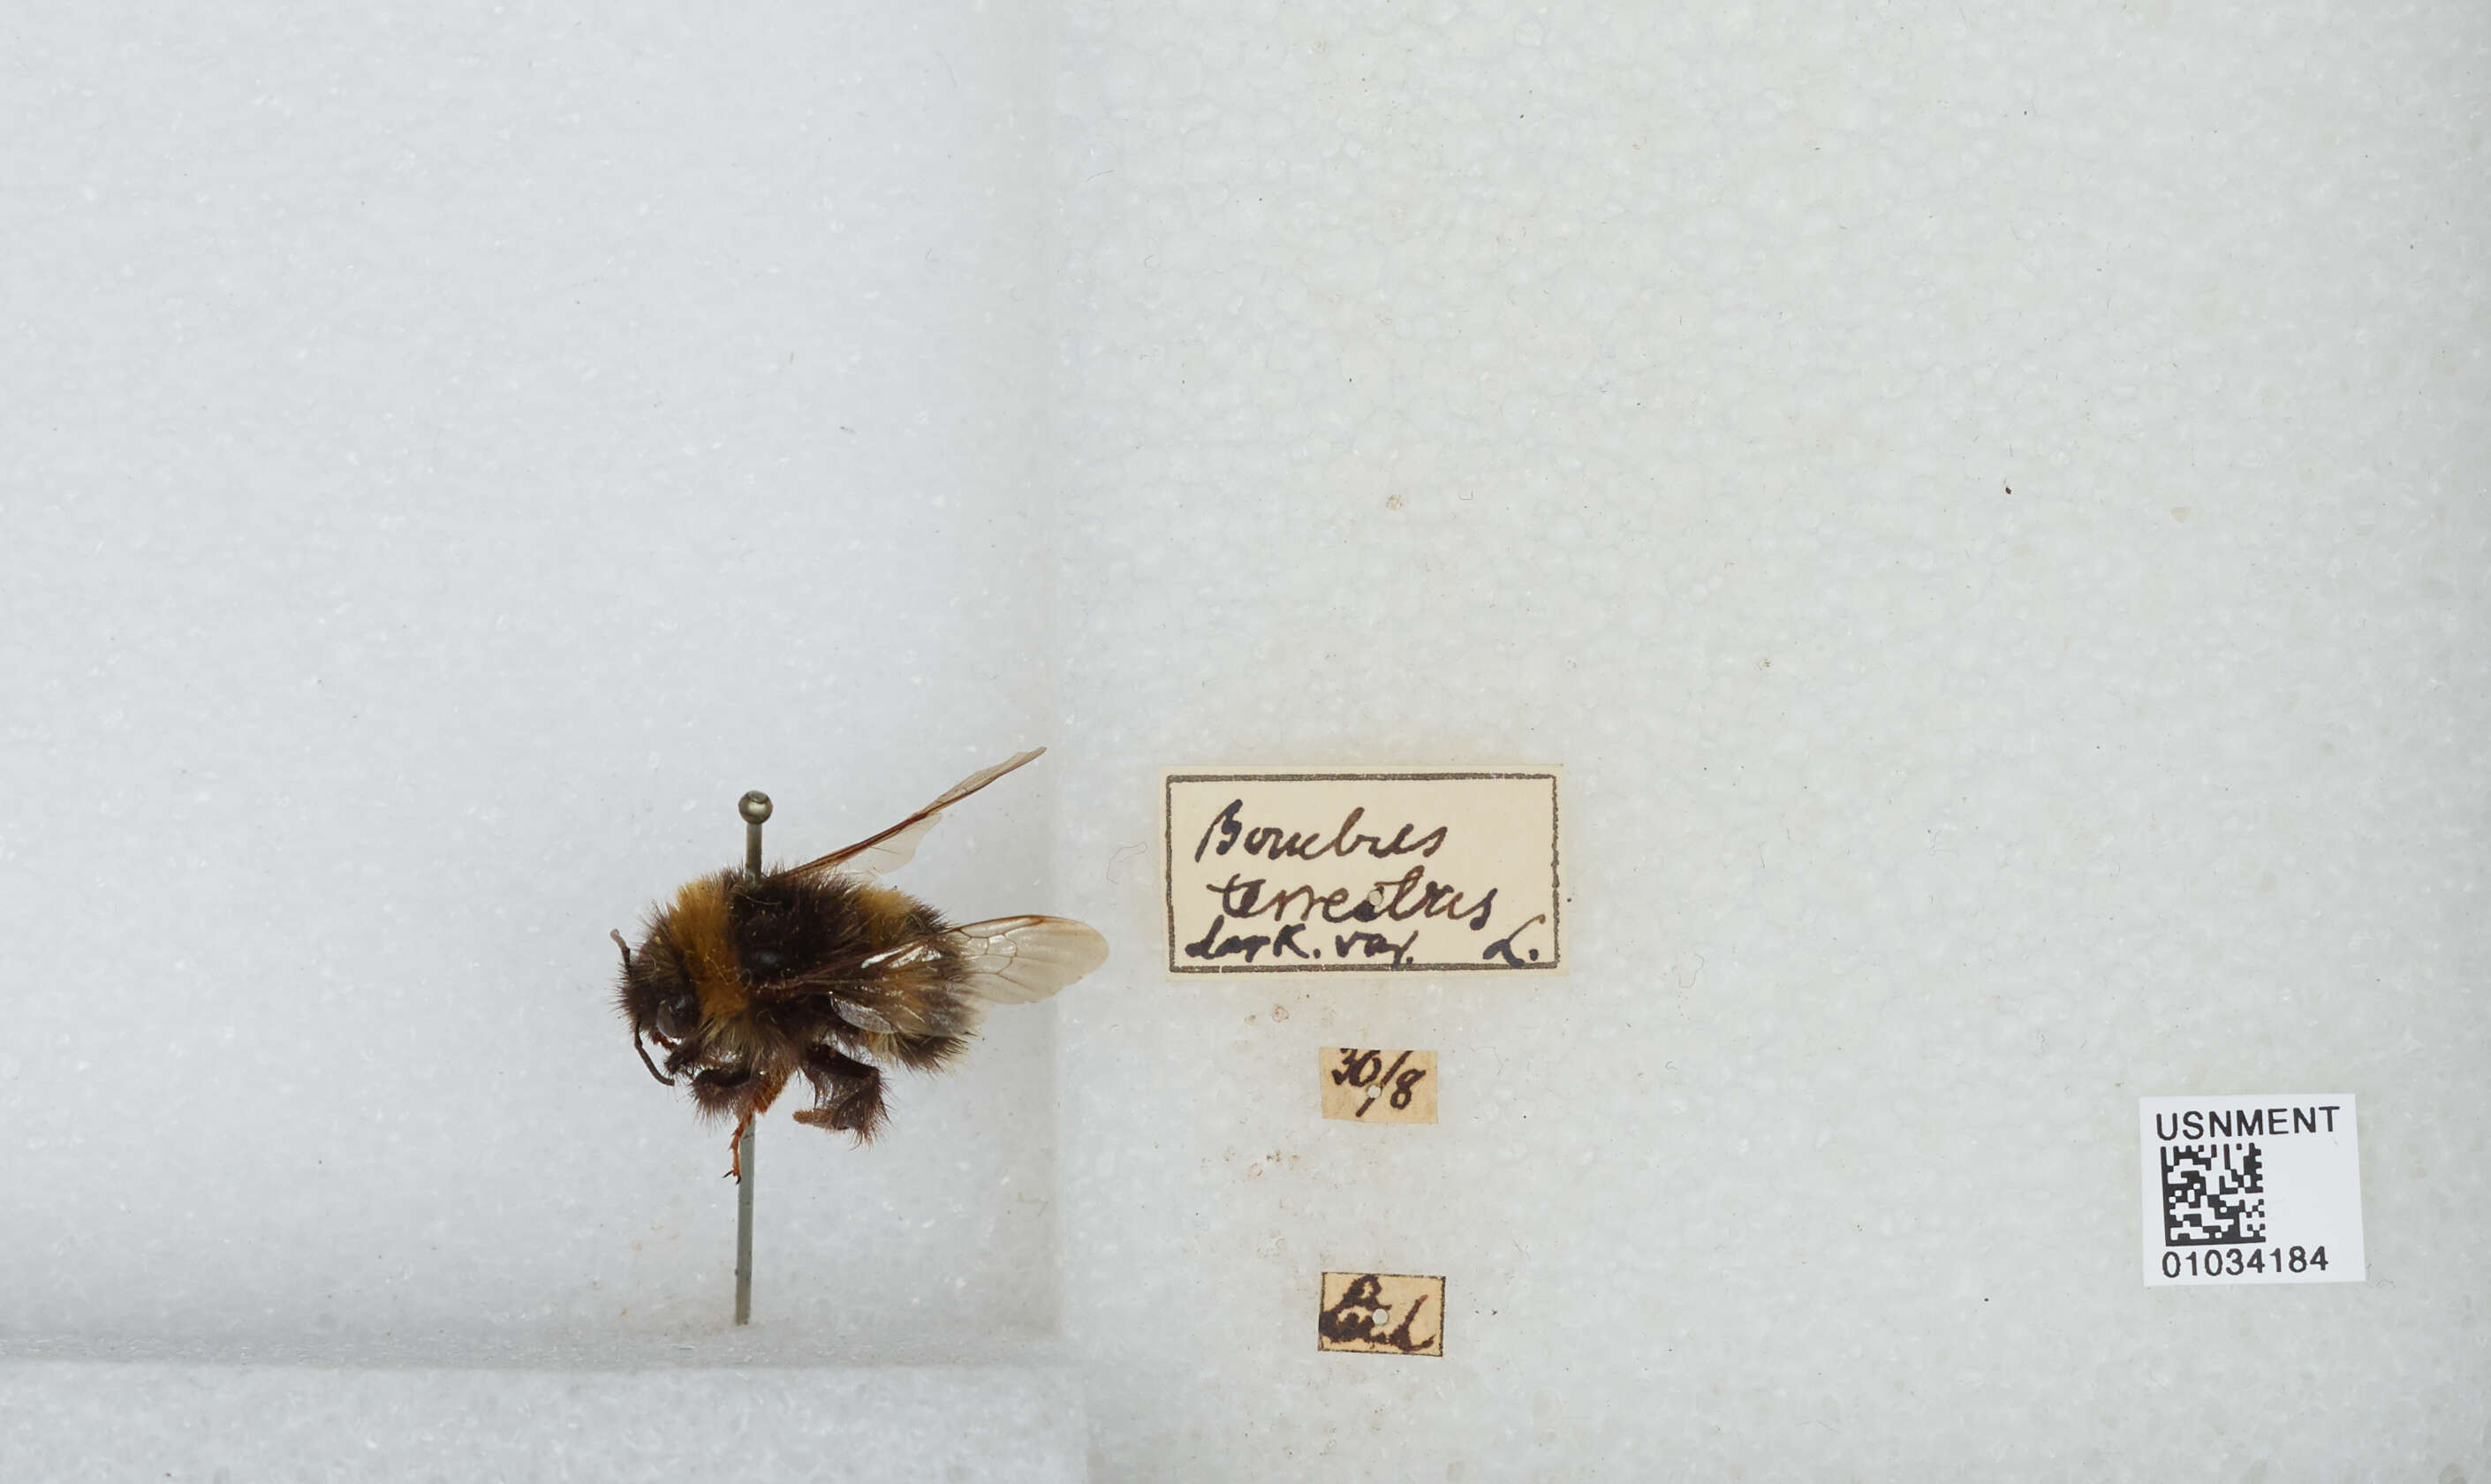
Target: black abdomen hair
802,946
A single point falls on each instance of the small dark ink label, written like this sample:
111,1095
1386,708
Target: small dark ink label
1381,1314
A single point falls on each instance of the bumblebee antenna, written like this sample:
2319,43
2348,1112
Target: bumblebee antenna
635,1023
662,1077
754,806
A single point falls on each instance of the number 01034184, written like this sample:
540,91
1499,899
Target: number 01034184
1377,1087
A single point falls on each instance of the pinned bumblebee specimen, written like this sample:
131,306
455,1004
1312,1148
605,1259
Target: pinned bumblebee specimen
748,981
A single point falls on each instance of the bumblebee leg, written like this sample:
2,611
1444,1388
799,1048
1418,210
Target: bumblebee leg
847,1094
929,1052
772,1083
735,1149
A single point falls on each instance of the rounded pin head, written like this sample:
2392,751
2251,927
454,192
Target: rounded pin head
754,806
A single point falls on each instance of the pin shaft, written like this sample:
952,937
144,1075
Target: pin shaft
755,809
744,1228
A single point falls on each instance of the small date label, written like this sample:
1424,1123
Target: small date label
1318,872
1382,1314
1378,1087
2251,1189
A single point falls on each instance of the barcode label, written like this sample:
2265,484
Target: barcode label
2251,1189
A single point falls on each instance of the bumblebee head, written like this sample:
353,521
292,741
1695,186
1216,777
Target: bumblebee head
656,995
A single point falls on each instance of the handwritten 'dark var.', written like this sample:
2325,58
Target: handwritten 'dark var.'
1312,872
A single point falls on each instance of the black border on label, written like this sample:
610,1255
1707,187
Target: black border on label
1556,877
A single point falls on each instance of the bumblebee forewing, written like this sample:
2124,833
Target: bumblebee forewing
897,846
911,1013
1018,960
863,1017
880,858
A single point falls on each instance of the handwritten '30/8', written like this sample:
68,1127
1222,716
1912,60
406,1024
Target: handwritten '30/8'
1359,1069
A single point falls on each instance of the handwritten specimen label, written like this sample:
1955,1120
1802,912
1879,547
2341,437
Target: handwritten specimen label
1382,1313
2256,1190
1378,1087
1306,872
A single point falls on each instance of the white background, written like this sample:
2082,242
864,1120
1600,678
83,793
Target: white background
449,458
